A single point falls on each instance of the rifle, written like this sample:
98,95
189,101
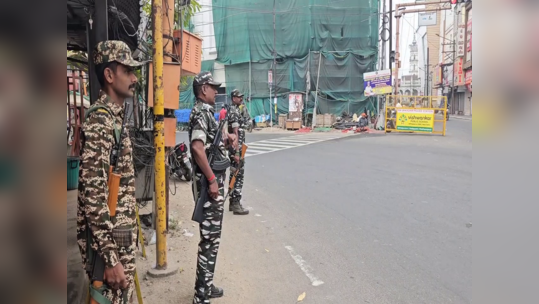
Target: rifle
198,213
113,184
233,178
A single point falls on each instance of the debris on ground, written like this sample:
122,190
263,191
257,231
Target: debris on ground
187,233
304,130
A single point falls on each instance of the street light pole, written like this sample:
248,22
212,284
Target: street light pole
453,82
400,11
274,62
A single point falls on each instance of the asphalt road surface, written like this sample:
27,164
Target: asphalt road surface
359,219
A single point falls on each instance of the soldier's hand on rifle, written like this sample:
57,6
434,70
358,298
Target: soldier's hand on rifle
214,189
115,277
237,159
234,140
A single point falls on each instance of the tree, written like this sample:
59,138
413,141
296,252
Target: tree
187,11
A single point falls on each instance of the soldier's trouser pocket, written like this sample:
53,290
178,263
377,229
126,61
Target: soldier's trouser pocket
123,236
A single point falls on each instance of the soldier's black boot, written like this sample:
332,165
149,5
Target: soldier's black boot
216,292
238,209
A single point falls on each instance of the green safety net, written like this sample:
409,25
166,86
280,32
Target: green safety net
244,29
340,84
343,33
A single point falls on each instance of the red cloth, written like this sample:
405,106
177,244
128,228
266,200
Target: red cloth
222,114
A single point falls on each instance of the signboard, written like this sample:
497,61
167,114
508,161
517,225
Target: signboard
427,19
295,103
415,120
461,40
460,79
377,83
469,80
469,37
438,76
270,76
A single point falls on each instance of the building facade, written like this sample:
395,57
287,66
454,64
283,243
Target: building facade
203,22
411,84
453,74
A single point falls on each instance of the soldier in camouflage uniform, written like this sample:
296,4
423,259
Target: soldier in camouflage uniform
244,114
202,131
112,238
237,125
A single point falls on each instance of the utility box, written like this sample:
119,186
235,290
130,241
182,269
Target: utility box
171,85
170,132
191,52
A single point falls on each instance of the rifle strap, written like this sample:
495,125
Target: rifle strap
103,109
97,294
194,181
90,253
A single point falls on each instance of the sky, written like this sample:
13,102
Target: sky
408,28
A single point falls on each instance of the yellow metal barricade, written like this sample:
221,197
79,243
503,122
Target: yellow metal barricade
416,114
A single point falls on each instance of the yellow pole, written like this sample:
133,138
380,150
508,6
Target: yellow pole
159,134
141,235
385,115
137,288
445,115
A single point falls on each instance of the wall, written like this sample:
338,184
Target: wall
434,45
203,22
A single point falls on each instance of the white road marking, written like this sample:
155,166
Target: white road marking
255,147
273,145
260,150
283,143
304,266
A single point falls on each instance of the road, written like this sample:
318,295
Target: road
384,219
251,137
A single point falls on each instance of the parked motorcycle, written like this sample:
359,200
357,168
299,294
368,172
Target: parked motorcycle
180,162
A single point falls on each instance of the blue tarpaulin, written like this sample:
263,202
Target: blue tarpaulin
182,116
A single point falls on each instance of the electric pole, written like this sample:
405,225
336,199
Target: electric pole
455,33
390,32
273,70
161,269
400,11
427,73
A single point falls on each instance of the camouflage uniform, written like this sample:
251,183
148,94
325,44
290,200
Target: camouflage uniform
113,238
244,115
237,119
203,127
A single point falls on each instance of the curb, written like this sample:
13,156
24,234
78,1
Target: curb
460,118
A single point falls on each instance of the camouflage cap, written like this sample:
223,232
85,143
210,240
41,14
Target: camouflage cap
114,50
236,93
203,78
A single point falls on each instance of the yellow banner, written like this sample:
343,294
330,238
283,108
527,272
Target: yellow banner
415,120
